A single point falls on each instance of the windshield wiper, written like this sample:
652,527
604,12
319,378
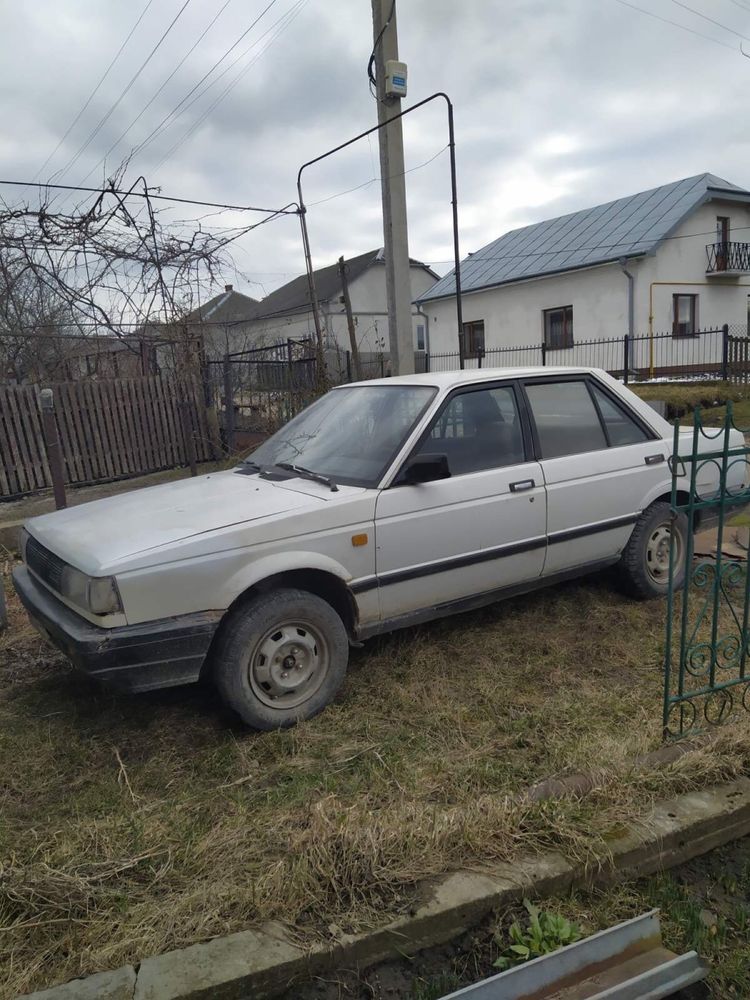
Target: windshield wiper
304,473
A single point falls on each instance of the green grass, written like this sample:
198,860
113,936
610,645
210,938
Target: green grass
133,825
704,906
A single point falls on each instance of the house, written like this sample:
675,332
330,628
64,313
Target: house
287,313
221,323
672,261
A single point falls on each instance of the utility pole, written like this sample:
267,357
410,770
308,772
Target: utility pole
350,319
395,232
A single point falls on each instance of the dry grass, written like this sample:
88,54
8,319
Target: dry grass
682,397
129,826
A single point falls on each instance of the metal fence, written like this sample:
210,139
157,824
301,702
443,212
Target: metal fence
266,386
705,354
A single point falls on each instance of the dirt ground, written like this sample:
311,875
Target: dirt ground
704,906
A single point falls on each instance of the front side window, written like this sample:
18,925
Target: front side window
474,338
558,328
566,419
684,315
351,434
477,430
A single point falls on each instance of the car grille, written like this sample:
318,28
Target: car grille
44,564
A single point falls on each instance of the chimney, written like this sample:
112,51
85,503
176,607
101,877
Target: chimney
228,288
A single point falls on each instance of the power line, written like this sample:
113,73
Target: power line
740,5
374,180
145,108
158,197
175,111
710,20
676,24
94,92
287,19
113,108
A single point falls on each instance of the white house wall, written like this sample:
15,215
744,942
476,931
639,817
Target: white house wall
512,313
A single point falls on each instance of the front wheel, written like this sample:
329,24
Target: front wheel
281,658
644,565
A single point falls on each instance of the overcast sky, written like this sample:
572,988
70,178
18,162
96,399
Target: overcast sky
560,104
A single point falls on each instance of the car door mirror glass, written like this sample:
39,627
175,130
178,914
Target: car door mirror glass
426,468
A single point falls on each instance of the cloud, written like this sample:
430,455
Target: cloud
559,104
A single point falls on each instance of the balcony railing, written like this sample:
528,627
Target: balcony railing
733,258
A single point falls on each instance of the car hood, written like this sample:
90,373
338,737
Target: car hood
98,534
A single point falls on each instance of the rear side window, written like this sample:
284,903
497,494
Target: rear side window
566,419
621,428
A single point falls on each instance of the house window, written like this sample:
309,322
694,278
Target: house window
722,242
474,338
420,336
684,315
558,327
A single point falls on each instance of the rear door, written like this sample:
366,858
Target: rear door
599,461
478,531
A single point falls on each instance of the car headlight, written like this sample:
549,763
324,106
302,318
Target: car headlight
99,595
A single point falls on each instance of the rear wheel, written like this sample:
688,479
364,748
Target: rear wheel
644,565
281,658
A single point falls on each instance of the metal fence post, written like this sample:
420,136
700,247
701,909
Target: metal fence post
228,405
725,352
626,358
427,361
348,366
54,453
544,353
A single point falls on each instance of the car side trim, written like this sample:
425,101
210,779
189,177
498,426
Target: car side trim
479,600
569,534
445,565
487,555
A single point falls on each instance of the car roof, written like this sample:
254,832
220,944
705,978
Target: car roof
447,380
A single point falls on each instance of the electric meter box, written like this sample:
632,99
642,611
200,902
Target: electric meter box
395,78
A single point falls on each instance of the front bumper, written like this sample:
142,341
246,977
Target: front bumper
158,654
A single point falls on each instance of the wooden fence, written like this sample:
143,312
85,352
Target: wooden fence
108,430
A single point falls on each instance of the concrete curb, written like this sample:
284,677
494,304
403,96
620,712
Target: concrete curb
266,962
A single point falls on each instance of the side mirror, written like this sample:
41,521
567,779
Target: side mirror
426,468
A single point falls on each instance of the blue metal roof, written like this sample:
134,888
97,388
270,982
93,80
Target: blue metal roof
626,227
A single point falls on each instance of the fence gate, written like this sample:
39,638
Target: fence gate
706,675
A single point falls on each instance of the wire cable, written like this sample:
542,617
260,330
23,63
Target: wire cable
175,112
95,91
287,19
705,17
374,180
288,210
145,108
113,108
676,24
371,61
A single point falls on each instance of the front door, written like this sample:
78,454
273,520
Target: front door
478,531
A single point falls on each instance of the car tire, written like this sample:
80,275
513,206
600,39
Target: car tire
281,658
644,564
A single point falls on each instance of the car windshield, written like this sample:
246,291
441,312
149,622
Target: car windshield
350,435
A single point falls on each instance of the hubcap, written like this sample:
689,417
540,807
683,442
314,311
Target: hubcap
288,664
657,553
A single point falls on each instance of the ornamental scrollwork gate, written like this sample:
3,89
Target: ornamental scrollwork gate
707,673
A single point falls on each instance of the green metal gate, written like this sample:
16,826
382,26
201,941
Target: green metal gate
706,675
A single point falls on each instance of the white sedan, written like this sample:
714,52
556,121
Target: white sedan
382,504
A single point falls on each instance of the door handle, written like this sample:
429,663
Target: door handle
521,485
654,459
